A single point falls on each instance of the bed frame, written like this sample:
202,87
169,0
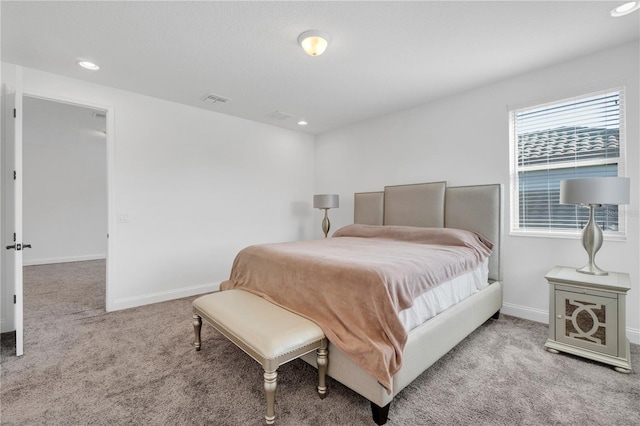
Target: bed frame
474,208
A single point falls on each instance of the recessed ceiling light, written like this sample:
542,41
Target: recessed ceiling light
625,9
302,123
89,65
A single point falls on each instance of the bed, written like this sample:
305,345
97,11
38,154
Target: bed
427,208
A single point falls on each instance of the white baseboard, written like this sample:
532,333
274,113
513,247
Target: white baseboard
51,260
539,315
633,334
163,296
525,312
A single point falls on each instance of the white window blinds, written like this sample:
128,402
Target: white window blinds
569,139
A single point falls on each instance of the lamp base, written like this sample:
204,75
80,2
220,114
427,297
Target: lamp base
592,239
326,224
591,269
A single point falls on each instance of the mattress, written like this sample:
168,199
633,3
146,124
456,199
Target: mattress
444,296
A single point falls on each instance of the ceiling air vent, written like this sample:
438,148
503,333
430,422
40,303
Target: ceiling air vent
278,115
215,99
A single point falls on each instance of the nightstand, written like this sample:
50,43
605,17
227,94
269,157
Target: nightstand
587,316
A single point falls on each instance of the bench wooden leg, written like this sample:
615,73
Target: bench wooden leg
197,326
322,360
270,383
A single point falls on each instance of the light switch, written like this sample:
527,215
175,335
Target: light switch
123,218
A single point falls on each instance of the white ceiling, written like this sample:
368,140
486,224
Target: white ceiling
384,57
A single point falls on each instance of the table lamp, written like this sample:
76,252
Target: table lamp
592,193
326,202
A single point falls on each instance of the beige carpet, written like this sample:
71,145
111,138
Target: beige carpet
138,366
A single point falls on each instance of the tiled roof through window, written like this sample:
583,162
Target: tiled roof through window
567,144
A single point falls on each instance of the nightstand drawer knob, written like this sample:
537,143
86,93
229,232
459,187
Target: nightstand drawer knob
559,316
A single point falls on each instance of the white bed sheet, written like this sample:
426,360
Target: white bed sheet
445,295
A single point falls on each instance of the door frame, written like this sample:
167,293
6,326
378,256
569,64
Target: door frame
110,126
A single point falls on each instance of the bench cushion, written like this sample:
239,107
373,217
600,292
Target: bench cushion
269,333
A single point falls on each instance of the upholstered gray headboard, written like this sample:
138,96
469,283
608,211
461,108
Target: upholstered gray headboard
475,208
369,208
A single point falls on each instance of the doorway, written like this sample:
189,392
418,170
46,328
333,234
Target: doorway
65,201
65,182
12,97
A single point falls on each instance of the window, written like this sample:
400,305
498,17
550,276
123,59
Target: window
568,139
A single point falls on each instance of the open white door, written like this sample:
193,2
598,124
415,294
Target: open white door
13,176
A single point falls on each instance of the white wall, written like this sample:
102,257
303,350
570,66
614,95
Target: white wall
65,183
195,186
464,139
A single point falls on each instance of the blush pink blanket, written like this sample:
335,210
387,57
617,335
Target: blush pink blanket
353,284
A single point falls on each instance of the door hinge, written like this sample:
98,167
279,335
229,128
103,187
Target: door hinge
14,299
14,237
15,175
15,113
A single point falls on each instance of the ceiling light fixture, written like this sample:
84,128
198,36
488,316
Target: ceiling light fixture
302,123
89,65
314,42
625,9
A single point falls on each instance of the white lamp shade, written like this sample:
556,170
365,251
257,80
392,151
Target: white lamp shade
600,190
326,201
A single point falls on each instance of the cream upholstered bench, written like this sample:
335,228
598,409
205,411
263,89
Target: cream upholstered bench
268,333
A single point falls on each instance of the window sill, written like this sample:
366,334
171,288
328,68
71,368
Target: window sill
569,235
